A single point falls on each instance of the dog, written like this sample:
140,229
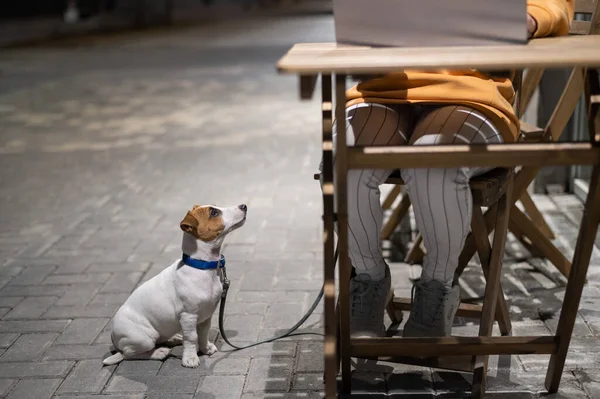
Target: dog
176,306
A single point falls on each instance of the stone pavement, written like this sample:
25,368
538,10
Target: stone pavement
105,144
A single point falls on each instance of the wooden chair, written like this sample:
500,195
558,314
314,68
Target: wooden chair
537,241
530,228
463,353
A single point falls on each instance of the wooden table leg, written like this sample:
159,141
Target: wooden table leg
492,288
341,170
331,362
581,260
583,249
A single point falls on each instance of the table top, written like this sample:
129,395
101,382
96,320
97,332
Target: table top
566,51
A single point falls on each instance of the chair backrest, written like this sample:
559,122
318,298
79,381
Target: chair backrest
586,22
586,18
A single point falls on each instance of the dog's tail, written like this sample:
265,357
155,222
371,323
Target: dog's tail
114,359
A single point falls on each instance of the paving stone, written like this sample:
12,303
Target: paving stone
21,291
451,382
127,396
286,284
581,328
368,382
10,302
31,308
269,296
28,347
172,367
58,368
6,385
283,315
4,311
241,308
28,326
109,299
310,357
118,267
82,331
272,349
78,294
6,339
511,395
256,282
75,266
410,383
301,334
77,278
269,375
76,352
122,282
162,395
155,384
35,389
282,395
88,376
243,328
140,367
222,387
590,380
33,275
71,312
308,381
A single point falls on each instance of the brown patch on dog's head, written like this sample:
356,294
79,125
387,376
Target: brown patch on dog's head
205,223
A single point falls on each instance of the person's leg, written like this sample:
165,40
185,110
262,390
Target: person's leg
370,124
443,207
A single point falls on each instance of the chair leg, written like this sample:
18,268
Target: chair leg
581,261
484,251
519,220
524,240
395,315
492,288
395,218
391,197
536,216
521,181
415,253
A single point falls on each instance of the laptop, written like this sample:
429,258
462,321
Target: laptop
426,23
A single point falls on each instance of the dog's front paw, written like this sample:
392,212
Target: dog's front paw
190,360
210,349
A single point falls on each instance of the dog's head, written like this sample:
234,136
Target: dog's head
209,223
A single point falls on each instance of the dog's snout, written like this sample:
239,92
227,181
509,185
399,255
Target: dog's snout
243,207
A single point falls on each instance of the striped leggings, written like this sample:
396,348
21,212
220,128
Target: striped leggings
441,198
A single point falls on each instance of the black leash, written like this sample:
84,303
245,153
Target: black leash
289,333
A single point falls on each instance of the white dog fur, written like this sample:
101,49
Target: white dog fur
177,305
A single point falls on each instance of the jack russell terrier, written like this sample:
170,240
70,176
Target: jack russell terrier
176,306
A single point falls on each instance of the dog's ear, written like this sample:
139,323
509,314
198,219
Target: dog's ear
189,224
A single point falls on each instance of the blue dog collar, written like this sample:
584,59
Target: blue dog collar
202,264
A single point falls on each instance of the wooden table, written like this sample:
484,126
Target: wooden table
328,60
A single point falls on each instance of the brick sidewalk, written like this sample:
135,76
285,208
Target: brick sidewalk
107,142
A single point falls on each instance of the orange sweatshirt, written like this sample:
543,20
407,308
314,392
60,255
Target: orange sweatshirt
492,96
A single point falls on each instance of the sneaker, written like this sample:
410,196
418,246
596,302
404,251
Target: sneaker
368,300
434,306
